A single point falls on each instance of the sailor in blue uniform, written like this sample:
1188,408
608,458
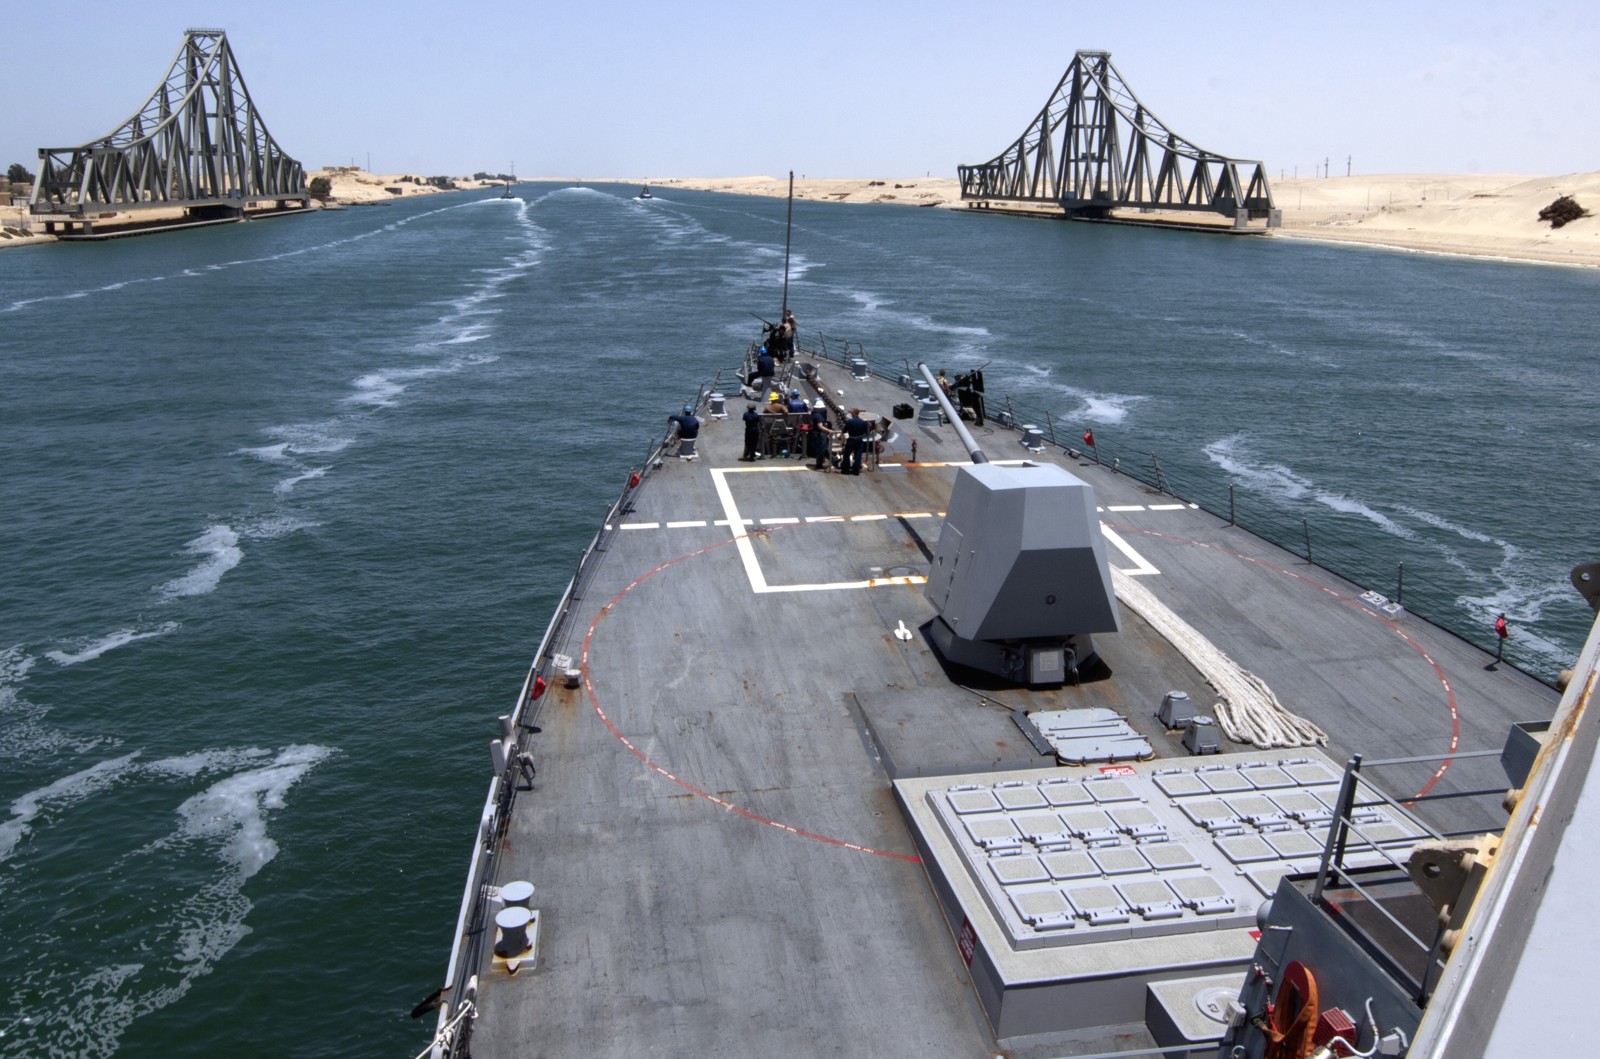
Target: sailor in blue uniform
752,434
818,437
688,430
688,423
855,440
766,371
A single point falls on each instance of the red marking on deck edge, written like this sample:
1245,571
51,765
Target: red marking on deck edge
1394,627
594,701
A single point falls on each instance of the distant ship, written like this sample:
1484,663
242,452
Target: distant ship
644,192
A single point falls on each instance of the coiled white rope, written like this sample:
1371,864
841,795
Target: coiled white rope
1247,710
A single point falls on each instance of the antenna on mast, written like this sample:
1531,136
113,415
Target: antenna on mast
788,226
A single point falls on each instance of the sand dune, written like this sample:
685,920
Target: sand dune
1483,215
353,187
1494,216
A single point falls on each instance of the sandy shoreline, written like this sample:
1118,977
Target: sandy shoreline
1492,215
1476,215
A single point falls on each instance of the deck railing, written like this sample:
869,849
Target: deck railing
1362,561
474,931
1346,835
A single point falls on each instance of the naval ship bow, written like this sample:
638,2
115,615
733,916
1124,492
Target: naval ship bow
942,760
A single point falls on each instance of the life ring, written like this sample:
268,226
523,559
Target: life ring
1293,1019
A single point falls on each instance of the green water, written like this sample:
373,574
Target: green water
288,504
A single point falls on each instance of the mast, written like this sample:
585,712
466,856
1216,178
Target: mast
788,225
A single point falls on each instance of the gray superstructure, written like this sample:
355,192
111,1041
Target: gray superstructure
749,793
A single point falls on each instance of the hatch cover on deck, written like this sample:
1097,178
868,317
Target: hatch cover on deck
1153,849
1095,735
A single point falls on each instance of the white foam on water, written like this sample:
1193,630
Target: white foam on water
913,321
88,650
268,453
476,333
1351,506
231,813
219,552
381,388
22,731
1103,408
375,389
61,794
83,1010
310,438
74,1019
18,306
273,527
1274,479
1515,586
1106,409
14,665
868,301
203,761
202,271
1440,523
285,487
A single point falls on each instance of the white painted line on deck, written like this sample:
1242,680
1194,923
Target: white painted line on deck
641,525
779,521
1171,507
868,518
686,525
824,518
747,552
1141,565
1126,507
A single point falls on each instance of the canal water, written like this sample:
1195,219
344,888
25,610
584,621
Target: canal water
287,506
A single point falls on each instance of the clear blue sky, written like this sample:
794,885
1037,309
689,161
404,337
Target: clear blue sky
865,88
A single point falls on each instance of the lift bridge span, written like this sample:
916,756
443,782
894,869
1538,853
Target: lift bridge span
197,144
1095,148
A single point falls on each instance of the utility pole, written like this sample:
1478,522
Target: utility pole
1347,164
1324,168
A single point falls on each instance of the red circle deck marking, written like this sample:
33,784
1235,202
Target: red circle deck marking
594,701
1394,627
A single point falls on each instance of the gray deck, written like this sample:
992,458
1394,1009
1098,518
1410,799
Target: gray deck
722,867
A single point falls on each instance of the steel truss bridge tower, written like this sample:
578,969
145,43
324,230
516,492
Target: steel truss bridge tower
198,143
1094,148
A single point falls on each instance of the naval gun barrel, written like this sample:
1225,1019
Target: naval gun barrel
954,416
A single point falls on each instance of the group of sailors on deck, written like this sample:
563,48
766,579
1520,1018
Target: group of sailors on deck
788,424
781,335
